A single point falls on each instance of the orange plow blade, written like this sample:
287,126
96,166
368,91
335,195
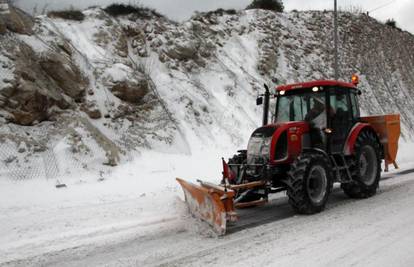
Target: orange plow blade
210,203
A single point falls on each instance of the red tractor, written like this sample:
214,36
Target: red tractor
316,138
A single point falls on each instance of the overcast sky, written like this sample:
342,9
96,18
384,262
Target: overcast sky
401,10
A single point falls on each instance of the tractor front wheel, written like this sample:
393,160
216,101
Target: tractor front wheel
309,183
365,168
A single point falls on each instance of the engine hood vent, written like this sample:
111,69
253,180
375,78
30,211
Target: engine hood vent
266,131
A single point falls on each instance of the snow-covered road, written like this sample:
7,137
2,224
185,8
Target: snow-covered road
373,232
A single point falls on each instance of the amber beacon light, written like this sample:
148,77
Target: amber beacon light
355,79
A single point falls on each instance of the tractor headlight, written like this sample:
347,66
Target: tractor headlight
266,146
258,147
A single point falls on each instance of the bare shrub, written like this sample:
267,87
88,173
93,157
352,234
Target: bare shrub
354,9
127,9
275,5
69,14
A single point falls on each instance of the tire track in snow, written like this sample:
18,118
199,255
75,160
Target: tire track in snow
177,245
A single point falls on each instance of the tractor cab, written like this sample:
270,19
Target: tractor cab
330,108
310,115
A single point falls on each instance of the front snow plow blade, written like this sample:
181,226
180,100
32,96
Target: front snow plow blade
210,203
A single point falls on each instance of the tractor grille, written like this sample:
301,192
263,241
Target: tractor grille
258,149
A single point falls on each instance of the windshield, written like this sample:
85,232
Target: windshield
300,106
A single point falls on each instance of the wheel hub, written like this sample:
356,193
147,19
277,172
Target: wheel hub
368,165
317,184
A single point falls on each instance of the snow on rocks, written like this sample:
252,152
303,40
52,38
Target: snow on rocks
6,74
147,82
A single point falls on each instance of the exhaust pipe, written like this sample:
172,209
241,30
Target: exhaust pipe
266,105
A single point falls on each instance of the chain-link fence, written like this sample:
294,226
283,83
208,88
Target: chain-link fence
18,164
27,160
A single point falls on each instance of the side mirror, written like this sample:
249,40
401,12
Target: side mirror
259,100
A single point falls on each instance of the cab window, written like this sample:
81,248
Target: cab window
299,107
290,108
355,106
339,102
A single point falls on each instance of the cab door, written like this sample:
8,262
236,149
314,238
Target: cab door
341,117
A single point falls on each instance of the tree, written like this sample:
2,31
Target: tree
275,5
391,23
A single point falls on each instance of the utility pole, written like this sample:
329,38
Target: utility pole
336,40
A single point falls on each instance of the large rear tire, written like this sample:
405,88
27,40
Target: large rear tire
365,168
309,183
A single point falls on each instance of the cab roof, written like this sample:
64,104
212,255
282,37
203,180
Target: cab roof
311,84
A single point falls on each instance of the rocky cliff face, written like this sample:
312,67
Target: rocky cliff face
76,94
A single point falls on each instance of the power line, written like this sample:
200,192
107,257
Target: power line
384,5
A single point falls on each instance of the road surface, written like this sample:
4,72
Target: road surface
378,231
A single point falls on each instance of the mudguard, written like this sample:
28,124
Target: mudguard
353,135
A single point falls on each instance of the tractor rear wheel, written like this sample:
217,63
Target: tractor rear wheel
365,168
309,183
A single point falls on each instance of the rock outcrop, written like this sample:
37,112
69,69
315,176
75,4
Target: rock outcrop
39,83
15,20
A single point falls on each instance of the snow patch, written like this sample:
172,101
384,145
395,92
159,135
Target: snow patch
35,43
6,73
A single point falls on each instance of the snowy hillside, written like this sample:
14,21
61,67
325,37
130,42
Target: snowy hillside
106,89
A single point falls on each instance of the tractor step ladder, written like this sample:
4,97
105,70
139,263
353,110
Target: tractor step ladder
340,166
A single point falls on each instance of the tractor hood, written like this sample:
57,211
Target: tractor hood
276,143
265,131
